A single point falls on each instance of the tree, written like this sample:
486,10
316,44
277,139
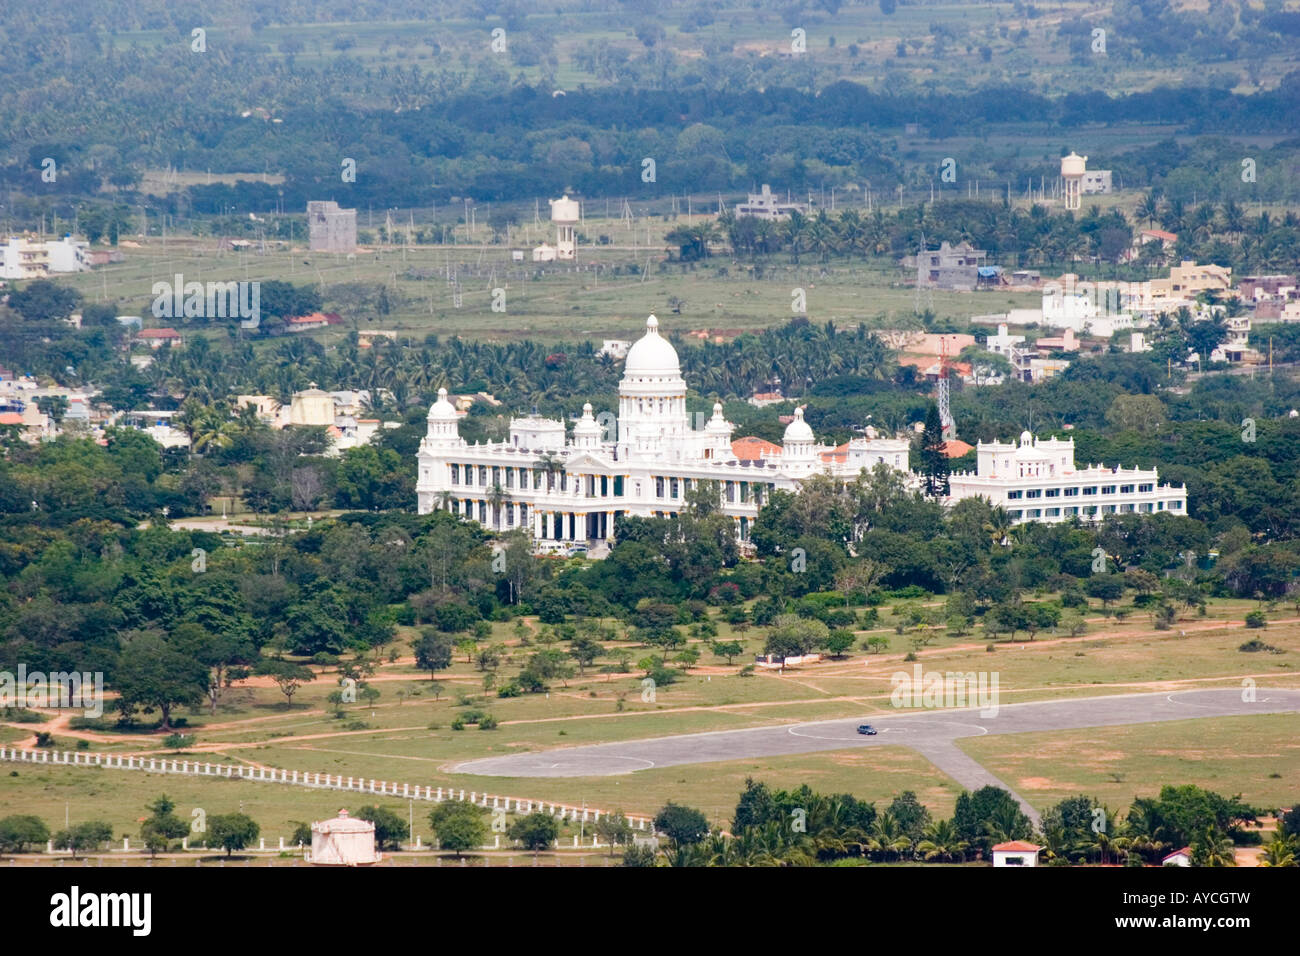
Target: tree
934,457
683,825
44,301
458,825
1106,587
910,814
152,674
584,650
614,829
536,831
162,826
433,652
839,641
1139,413
83,836
727,649
1214,849
21,831
389,827
288,677
792,635
232,831
1282,851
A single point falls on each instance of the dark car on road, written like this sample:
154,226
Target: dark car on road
867,729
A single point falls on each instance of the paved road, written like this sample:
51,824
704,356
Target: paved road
930,732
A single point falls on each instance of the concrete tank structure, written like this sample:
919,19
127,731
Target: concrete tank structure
565,213
343,841
1072,169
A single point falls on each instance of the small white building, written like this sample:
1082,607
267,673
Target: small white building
313,406
1181,857
1016,853
1002,343
343,841
766,205
1036,480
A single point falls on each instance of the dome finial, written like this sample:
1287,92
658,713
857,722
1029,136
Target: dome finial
652,324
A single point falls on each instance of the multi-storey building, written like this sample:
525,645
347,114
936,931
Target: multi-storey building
640,463
331,228
1036,480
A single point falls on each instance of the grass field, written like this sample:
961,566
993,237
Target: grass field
406,735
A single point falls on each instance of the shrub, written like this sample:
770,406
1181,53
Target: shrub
1256,619
178,742
487,722
458,724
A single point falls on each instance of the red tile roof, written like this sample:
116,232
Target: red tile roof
1017,846
157,334
956,448
1185,851
751,448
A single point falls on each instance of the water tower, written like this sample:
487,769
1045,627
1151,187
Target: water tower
565,214
1072,170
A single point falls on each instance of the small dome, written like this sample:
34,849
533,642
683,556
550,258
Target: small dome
586,425
652,354
717,424
798,429
442,409
1026,439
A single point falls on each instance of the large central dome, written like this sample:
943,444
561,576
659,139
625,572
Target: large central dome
652,354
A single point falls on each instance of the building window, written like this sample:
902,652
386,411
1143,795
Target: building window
1126,489
659,487
1015,495
1071,492
1072,512
1034,493
482,476
1035,512
1053,512
510,477
1107,489
1176,505
673,486
1144,489
1053,493
1091,490
455,474
1015,514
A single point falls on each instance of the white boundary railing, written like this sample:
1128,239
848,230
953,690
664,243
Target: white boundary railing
315,781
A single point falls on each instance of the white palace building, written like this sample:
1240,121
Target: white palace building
641,468
1037,480
570,490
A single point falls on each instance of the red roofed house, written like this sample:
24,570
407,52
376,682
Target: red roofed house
157,338
1181,857
754,449
317,320
956,448
1016,853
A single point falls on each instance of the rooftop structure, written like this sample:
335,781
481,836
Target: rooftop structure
1037,480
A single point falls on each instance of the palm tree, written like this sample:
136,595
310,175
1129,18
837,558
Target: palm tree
1283,850
1149,208
1213,849
551,465
941,842
999,527
498,498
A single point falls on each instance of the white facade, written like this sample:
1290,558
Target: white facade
68,255
343,841
1016,853
566,214
1036,480
640,463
